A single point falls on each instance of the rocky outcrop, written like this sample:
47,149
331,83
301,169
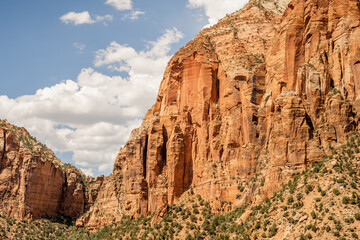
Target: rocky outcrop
258,94
33,182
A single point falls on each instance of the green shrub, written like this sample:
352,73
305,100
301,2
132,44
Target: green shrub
273,230
299,196
340,180
338,226
257,225
196,211
336,191
346,200
349,220
308,189
298,205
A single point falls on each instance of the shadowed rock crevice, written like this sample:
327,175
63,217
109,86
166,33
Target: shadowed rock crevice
4,147
164,148
311,126
145,151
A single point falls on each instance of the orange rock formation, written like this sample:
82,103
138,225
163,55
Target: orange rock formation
266,91
33,182
258,93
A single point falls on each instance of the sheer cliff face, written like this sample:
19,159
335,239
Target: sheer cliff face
203,130
313,61
259,93
33,182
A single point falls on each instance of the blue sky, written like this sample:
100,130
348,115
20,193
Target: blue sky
80,74
37,48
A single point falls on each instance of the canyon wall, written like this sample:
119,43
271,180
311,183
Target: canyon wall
261,95
33,182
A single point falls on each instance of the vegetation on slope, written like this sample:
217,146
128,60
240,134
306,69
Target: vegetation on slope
322,202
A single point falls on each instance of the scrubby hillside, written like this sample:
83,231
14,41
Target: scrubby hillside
322,202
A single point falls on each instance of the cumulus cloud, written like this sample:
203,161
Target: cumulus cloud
93,115
215,10
83,18
124,58
133,15
77,18
120,4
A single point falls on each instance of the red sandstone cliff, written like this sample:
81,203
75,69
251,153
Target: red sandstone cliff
33,182
258,93
265,92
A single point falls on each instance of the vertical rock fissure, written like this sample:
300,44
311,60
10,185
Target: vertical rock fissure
163,149
217,85
145,156
4,147
215,88
311,126
332,84
61,205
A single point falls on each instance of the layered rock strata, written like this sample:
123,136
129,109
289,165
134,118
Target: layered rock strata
263,93
260,93
33,182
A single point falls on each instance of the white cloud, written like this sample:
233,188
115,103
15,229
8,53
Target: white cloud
77,18
79,46
121,57
215,9
93,115
83,18
104,19
120,4
133,15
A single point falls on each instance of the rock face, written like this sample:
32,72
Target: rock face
260,93
264,93
33,182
